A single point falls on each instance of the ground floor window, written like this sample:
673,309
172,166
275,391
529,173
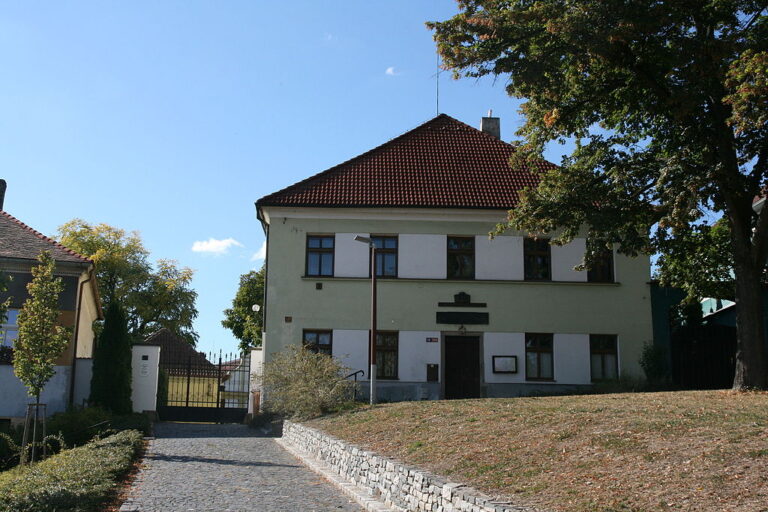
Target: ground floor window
386,354
538,357
604,361
320,342
10,329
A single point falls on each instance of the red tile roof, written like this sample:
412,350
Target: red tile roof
443,163
19,241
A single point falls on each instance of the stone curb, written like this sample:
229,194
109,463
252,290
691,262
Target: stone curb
324,470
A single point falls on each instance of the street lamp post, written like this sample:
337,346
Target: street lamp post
372,340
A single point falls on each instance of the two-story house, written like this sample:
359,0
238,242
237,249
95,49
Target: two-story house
79,307
459,314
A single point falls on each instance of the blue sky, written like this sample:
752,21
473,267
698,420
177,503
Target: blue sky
172,118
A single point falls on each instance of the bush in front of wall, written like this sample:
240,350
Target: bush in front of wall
80,479
78,426
301,384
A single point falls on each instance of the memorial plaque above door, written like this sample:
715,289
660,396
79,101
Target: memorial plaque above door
462,317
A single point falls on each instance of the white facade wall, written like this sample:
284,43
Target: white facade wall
422,256
500,258
504,344
351,348
415,353
570,355
565,257
15,397
571,359
83,374
351,258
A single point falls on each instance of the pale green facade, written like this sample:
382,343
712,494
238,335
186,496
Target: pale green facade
571,308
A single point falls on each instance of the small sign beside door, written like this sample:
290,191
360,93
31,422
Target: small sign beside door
432,340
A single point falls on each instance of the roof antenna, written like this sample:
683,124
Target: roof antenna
490,112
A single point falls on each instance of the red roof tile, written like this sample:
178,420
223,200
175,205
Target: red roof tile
17,240
443,163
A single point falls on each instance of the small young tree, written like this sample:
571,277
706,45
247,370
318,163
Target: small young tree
111,380
40,340
301,384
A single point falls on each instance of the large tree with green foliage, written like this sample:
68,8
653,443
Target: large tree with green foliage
40,340
153,297
245,323
668,105
111,378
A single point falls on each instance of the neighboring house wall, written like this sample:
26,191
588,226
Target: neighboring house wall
568,307
15,396
57,392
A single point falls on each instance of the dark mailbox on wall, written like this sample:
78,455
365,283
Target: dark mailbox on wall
432,373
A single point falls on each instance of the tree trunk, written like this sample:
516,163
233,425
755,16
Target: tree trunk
751,367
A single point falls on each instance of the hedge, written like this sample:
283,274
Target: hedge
76,480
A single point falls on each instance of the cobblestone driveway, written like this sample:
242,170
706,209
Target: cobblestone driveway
198,467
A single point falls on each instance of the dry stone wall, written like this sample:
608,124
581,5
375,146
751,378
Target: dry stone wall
400,487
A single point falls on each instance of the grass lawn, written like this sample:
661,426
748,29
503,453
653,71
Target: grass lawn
692,450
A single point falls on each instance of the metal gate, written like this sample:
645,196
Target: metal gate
194,386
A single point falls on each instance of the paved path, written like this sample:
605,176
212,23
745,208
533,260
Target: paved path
202,467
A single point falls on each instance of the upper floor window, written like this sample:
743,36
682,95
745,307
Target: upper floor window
603,354
319,342
320,255
539,363
386,354
602,268
10,329
386,255
537,257
461,257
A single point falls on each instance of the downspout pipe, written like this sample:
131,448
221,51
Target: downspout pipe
73,373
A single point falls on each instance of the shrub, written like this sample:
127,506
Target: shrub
78,426
9,452
80,479
654,364
301,384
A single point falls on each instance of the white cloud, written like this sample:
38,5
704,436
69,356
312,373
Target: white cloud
261,253
391,71
214,246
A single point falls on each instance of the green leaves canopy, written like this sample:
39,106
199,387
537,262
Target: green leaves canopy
244,323
152,297
40,340
667,103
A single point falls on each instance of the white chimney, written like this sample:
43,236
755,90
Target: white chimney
491,125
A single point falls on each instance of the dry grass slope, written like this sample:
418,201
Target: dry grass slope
696,450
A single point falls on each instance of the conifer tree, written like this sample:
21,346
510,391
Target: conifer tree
111,380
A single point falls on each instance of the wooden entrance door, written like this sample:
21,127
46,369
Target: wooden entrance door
462,367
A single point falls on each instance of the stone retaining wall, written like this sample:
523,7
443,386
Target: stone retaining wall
400,487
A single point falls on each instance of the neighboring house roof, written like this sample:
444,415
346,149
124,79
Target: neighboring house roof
443,163
176,354
19,241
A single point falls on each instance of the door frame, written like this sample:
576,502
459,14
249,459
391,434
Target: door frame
481,356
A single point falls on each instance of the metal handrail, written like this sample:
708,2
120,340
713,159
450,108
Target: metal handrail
355,374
